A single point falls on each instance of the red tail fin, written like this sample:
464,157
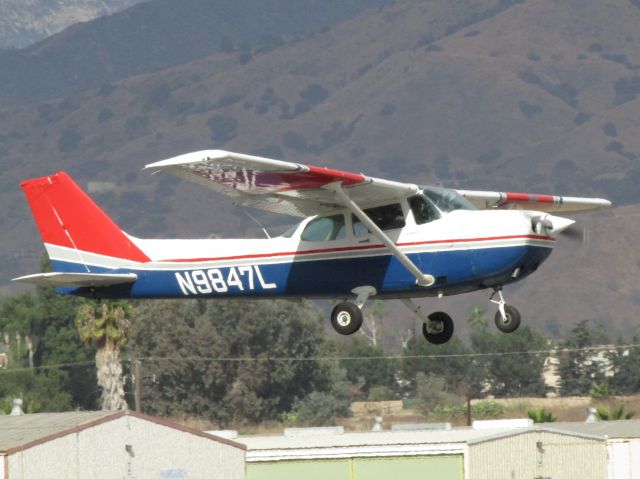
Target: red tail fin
66,216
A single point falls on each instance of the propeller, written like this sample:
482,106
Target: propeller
559,226
576,233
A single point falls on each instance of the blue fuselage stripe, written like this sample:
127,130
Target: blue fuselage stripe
456,271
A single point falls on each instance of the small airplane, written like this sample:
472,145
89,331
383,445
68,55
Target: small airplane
361,237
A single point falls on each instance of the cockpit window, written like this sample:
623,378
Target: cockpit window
325,228
447,200
423,210
386,217
289,233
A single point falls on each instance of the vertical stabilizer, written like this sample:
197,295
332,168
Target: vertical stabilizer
74,228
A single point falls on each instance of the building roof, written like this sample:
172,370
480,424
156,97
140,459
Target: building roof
22,432
627,429
454,441
362,444
459,435
19,431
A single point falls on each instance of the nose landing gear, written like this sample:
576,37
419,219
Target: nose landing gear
507,317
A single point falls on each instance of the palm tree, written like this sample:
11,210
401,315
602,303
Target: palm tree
615,414
106,324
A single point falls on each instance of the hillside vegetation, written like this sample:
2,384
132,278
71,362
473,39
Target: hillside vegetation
531,95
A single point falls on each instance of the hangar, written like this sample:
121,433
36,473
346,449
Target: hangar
461,453
107,444
623,444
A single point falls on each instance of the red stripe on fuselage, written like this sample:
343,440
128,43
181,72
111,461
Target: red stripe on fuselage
353,248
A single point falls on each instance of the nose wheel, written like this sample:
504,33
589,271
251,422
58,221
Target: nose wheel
507,317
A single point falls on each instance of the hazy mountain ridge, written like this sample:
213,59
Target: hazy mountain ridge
23,22
532,95
161,34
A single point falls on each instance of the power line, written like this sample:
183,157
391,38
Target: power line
157,359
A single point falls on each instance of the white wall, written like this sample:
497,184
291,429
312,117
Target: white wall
624,459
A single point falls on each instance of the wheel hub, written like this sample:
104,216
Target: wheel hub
435,327
343,318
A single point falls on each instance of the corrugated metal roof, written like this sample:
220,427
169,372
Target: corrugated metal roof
17,431
461,435
627,429
21,432
453,436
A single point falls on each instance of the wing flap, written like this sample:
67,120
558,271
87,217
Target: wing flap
278,186
77,279
526,201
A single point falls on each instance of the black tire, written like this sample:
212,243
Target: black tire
346,318
446,328
511,322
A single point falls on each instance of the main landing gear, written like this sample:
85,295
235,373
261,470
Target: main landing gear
437,328
346,317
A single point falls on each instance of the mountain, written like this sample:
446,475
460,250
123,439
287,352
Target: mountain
23,22
531,95
159,34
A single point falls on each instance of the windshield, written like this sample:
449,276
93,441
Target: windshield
289,233
446,199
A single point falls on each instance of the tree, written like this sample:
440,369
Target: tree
38,330
600,391
577,368
512,375
106,324
372,322
230,361
364,371
450,361
626,369
432,391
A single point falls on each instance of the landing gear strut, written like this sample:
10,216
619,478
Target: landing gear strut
507,317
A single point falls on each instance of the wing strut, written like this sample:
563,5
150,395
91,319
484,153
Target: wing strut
421,278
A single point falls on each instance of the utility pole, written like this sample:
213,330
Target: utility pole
137,372
468,406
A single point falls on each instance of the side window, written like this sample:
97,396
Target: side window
386,217
326,228
423,211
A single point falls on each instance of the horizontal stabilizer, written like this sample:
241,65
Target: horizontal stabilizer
77,279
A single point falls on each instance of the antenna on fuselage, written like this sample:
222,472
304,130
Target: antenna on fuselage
258,223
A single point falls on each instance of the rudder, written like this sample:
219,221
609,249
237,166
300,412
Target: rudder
69,221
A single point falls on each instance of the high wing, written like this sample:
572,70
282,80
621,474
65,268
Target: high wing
525,201
279,186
